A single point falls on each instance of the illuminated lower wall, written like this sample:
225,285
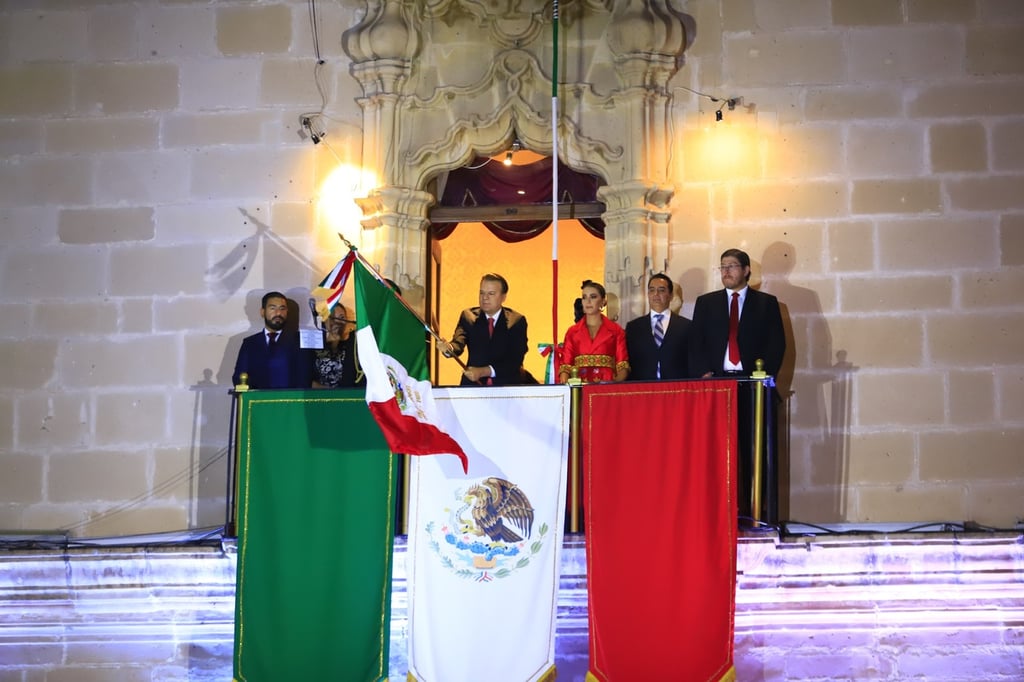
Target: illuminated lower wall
930,606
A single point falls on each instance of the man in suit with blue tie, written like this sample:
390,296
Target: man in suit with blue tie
657,342
495,336
272,357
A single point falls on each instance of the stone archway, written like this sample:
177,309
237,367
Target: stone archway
446,80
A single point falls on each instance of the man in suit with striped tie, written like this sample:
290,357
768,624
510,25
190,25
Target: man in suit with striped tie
657,342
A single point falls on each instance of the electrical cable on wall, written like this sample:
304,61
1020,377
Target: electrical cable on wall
312,121
725,102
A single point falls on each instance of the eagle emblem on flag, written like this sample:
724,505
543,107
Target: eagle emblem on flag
489,533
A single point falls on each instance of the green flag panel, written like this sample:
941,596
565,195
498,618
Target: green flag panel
316,486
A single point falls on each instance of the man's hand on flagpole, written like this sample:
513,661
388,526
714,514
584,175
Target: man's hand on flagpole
445,347
477,374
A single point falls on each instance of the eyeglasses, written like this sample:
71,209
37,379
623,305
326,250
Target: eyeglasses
730,266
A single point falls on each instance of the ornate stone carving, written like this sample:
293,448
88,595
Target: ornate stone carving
445,80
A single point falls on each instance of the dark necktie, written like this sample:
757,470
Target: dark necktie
490,326
734,326
273,339
659,331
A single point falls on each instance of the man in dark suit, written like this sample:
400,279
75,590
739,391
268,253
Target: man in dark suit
272,357
732,329
657,342
757,321
495,336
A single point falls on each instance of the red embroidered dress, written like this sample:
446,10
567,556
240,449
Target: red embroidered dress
596,359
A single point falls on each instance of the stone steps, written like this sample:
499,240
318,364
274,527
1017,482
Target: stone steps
934,606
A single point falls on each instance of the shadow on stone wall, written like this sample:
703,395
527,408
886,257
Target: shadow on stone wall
815,391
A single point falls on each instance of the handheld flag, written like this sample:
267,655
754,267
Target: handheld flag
392,350
333,286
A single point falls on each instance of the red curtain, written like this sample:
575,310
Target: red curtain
490,183
660,512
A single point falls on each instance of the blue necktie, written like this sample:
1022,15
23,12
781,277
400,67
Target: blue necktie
659,331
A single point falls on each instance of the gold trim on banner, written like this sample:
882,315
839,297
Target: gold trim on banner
549,675
389,544
714,386
573,474
565,401
246,403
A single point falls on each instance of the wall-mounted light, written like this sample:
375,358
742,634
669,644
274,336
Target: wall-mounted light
731,103
314,133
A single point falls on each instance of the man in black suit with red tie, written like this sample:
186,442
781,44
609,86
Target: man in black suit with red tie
496,337
724,343
732,329
272,357
657,342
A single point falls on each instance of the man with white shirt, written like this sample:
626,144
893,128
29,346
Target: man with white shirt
736,326
657,342
732,329
272,357
495,336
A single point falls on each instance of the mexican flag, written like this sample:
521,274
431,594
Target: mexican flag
392,350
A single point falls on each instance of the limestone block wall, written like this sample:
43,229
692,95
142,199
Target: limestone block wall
155,181
873,171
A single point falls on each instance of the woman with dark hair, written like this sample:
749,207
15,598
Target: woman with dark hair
334,366
595,347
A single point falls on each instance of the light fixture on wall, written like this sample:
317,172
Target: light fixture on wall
516,146
731,103
315,132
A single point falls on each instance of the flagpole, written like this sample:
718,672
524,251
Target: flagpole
554,189
437,337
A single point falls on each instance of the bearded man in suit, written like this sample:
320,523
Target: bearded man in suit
272,357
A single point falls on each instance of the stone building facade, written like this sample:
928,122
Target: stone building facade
157,176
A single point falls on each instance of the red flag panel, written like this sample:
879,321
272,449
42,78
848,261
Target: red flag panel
659,466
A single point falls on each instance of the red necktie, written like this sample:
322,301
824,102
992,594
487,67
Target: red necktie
734,326
490,332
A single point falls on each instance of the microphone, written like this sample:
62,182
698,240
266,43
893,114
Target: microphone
316,315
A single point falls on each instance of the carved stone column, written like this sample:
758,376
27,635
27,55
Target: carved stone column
383,47
446,80
646,38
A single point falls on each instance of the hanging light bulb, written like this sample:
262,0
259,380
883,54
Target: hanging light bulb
516,146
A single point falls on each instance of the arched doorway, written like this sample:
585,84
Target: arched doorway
503,207
444,82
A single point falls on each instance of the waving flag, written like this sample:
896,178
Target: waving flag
392,350
332,286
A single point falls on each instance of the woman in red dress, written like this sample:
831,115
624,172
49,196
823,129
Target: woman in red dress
595,347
